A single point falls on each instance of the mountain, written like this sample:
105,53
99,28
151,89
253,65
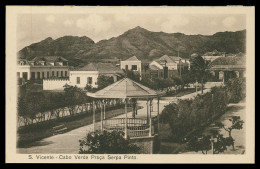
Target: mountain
139,42
66,46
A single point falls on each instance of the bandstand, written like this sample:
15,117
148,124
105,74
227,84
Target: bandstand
127,89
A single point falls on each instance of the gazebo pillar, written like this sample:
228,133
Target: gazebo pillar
150,120
93,109
101,113
126,118
147,110
104,109
158,113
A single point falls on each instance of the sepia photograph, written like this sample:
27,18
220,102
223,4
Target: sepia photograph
109,84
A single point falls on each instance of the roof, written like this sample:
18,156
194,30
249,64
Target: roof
101,68
154,67
230,60
169,59
133,58
49,58
124,88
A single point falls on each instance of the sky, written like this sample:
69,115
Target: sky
32,28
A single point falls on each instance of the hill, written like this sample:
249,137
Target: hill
139,42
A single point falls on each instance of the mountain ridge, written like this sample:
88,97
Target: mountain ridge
137,41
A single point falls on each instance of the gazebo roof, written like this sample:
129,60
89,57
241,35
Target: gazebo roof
125,88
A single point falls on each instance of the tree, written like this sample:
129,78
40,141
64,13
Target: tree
236,124
236,89
200,67
188,78
202,144
104,81
169,113
206,142
73,97
134,75
104,142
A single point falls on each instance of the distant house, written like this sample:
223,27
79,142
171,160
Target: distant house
131,63
211,56
43,67
165,67
89,74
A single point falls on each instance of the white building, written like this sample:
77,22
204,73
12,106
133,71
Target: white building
131,63
87,75
42,67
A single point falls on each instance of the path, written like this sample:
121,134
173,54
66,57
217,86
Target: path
68,143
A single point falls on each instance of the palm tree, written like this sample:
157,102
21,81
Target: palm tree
200,67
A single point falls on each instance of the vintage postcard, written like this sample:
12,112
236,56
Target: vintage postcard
119,84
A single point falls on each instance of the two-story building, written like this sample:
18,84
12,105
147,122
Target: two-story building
132,63
43,67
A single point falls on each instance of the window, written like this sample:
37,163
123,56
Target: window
52,73
89,80
38,75
57,73
61,73
78,80
32,75
43,75
126,67
134,67
161,74
48,74
25,75
65,73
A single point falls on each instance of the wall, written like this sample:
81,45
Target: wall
54,84
130,63
83,78
144,143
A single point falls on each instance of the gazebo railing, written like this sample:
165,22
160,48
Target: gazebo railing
136,127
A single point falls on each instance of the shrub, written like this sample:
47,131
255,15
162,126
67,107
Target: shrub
236,89
104,142
189,115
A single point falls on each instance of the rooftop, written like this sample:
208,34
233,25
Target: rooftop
101,67
125,88
133,58
49,58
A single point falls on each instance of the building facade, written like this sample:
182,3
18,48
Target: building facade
132,63
87,75
43,67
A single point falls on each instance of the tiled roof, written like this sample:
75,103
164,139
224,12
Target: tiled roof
154,67
133,58
230,60
101,67
125,88
49,58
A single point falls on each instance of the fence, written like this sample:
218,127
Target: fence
64,112
135,127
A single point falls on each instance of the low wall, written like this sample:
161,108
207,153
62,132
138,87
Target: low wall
54,84
212,84
144,143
